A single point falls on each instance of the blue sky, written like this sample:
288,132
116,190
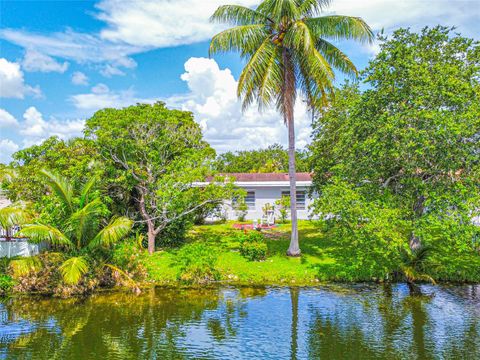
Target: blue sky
60,61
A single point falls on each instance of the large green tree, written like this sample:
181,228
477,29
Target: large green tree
274,158
288,53
411,140
153,159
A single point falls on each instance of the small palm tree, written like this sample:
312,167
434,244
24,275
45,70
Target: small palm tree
413,266
287,50
80,230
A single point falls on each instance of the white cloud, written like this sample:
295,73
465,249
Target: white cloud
109,71
160,23
79,78
12,84
213,100
35,129
79,47
36,61
7,120
102,97
8,147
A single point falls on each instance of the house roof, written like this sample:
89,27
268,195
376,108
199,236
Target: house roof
267,177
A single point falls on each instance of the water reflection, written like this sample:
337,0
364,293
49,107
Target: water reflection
361,322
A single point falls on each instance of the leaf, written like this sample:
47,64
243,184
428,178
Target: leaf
112,233
73,269
13,215
38,232
61,187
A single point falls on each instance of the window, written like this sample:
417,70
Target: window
250,199
300,199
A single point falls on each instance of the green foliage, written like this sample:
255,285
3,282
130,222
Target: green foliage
127,255
408,146
241,209
283,206
368,234
6,284
196,263
253,246
73,269
272,159
74,158
153,156
79,231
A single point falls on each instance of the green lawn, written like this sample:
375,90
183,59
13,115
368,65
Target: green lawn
321,259
277,269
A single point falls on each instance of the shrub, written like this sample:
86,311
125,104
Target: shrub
174,234
253,246
127,257
196,264
6,284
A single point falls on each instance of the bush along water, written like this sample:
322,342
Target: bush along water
253,246
196,263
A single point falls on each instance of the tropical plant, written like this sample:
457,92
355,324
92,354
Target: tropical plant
413,266
15,214
287,52
80,230
241,209
282,206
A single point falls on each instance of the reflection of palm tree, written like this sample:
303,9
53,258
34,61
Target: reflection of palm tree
419,321
294,328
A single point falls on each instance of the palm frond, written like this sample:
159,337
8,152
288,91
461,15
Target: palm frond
38,232
113,232
73,269
253,73
279,10
339,27
336,57
244,39
13,215
87,188
61,187
83,221
24,266
312,7
238,15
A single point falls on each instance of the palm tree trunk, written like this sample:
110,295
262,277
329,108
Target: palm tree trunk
288,115
294,248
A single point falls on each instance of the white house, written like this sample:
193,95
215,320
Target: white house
267,188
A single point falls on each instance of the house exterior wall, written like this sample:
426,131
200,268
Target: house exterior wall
269,194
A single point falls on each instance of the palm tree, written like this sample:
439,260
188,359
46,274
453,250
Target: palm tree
80,230
12,215
413,266
287,51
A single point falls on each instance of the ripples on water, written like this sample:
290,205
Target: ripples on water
338,322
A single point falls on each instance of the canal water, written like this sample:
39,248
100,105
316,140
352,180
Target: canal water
334,322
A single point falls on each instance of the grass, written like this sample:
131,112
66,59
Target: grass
321,259
277,269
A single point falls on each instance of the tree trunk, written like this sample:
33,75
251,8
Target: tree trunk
418,209
288,116
294,248
151,233
151,239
